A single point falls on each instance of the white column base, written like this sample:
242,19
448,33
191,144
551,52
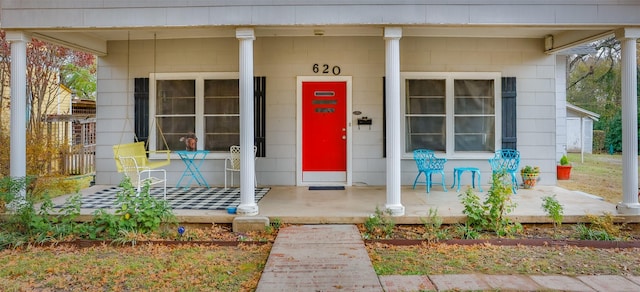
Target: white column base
628,208
247,210
395,210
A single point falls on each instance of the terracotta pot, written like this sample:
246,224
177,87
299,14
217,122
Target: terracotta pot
529,180
564,172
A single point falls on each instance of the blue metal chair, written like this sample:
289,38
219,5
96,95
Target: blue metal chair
428,164
508,161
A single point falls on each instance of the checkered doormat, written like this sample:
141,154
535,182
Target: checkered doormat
178,198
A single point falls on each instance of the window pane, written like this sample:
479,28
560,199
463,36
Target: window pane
221,87
426,96
474,109
426,105
474,105
426,110
221,142
474,87
222,96
175,97
475,133
433,87
474,97
222,132
425,132
221,105
172,128
222,111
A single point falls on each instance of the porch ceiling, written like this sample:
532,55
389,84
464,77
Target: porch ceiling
94,40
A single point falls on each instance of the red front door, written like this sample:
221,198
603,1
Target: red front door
324,131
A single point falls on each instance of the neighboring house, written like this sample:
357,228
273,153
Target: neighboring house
72,121
297,79
60,100
580,129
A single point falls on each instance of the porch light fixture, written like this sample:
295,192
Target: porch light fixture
548,42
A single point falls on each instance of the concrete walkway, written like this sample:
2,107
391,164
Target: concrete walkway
319,258
334,258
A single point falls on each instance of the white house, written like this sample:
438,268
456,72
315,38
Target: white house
297,78
580,129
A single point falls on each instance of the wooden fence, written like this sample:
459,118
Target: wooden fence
77,137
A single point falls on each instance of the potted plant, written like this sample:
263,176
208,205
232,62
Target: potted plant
530,175
563,169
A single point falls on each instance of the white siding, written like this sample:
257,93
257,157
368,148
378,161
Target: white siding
144,13
281,59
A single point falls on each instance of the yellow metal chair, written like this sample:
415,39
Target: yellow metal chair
140,154
141,175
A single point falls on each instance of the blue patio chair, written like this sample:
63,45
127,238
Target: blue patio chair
508,161
428,164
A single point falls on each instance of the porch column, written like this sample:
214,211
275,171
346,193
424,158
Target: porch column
248,204
629,204
392,37
18,145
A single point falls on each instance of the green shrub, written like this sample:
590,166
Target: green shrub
433,227
587,233
554,210
599,145
599,228
491,214
274,225
37,225
140,212
466,231
379,225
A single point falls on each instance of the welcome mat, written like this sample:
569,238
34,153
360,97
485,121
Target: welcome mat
326,188
178,198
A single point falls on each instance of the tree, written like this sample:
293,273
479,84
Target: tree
81,80
594,83
44,63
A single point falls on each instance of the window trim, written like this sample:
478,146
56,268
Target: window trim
199,78
449,77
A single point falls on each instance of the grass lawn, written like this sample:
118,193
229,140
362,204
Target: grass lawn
139,268
599,174
436,258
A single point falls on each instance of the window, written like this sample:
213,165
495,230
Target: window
451,112
206,104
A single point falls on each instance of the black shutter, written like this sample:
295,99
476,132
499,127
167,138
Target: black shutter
384,117
260,108
141,108
509,129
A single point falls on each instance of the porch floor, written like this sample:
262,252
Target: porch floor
299,205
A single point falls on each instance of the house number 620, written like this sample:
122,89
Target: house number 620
324,69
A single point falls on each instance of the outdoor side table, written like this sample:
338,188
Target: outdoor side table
193,161
457,171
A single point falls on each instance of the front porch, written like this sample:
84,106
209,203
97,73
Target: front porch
299,205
